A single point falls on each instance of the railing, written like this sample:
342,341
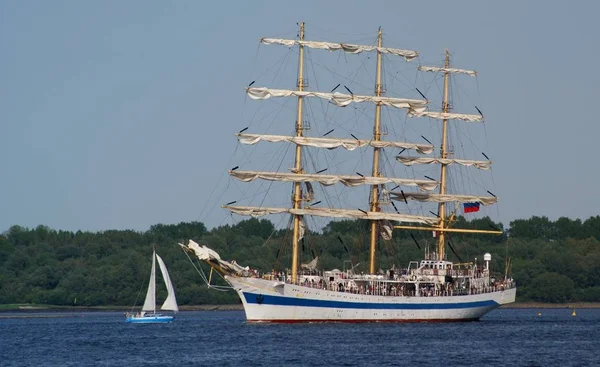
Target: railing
383,287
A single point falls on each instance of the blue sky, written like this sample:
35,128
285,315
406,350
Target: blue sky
114,114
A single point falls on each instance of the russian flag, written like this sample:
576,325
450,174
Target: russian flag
470,207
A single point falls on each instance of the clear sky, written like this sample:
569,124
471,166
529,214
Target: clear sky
113,114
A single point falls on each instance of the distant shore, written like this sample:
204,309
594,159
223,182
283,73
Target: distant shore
238,307
552,305
53,308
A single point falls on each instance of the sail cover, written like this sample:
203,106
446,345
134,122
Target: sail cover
448,70
340,99
150,302
409,161
328,180
346,47
330,143
333,213
438,198
170,303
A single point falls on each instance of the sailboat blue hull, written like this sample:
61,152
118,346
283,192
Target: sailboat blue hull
151,319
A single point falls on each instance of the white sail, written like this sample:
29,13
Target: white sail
438,198
333,213
340,99
150,302
301,228
311,265
327,180
170,303
346,47
386,229
409,161
448,70
330,143
447,116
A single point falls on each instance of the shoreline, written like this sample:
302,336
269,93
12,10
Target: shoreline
24,308
534,305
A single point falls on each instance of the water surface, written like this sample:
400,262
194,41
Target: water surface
510,337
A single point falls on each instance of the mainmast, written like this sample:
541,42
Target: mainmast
444,153
298,165
376,137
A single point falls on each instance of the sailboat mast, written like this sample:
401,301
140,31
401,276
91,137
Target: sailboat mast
376,137
298,164
444,154
153,278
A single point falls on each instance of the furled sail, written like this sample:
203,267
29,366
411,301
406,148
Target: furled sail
150,302
409,161
447,116
415,106
327,180
170,303
448,70
301,228
330,143
205,254
386,229
311,265
346,47
438,198
310,193
254,211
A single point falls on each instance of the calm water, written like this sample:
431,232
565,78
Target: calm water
222,338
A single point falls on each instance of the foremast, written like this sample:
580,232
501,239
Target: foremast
298,161
375,173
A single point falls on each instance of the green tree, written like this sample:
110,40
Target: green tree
551,287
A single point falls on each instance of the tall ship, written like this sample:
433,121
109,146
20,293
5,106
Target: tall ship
432,288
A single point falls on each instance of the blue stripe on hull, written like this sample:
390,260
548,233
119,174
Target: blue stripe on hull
292,301
148,320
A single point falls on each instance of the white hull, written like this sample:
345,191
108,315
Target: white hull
272,301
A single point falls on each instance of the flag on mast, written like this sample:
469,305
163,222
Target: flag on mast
470,207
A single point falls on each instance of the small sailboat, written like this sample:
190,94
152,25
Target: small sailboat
148,313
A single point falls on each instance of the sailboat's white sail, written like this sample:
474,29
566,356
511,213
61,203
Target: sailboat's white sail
150,302
327,180
438,198
409,161
332,213
170,303
448,70
346,47
340,99
330,143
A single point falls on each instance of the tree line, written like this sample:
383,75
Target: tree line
551,261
